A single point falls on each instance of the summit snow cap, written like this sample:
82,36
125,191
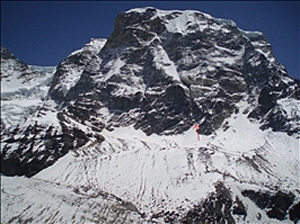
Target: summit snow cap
95,45
111,129
177,21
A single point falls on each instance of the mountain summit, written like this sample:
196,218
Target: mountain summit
107,137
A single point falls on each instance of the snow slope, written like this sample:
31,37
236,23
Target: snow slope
49,202
106,135
160,173
22,96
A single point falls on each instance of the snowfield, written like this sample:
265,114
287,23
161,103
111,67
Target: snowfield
104,137
158,173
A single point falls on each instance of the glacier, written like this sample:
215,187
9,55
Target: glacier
106,136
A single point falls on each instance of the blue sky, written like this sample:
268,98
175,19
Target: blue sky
45,32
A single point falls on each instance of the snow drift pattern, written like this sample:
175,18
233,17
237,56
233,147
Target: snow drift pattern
107,134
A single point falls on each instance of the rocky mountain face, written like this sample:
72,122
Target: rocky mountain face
156,64
159,72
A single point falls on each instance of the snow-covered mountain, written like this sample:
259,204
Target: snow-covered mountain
107,137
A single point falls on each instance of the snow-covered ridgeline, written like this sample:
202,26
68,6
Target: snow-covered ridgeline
130,173
95,45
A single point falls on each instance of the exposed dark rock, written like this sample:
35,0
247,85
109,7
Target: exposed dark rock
40,145
215,209
161,82
18,66
276,205
27,161
239,208
294,212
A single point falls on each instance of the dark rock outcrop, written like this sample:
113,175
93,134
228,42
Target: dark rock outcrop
294,212
276,205
157,76
215,209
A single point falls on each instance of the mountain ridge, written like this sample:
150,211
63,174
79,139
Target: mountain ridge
131,100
